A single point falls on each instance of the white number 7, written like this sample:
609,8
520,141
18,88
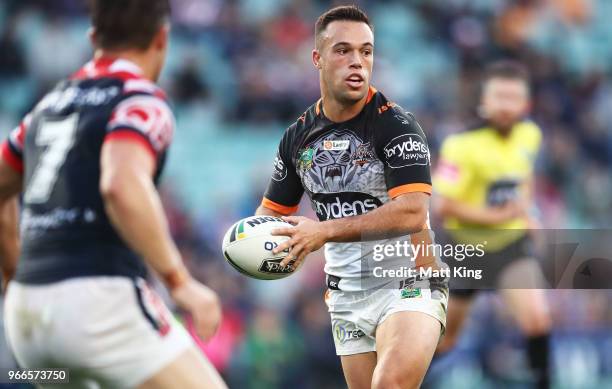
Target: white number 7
58,138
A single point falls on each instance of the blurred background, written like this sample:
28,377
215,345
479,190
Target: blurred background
239,72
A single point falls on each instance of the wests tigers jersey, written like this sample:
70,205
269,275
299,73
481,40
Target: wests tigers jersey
65,231
349,169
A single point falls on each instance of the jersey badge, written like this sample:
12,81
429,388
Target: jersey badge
305,159
363,154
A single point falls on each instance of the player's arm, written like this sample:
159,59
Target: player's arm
135,209
128,163
11,180
447,207
10,185
285,189
405,214
264,211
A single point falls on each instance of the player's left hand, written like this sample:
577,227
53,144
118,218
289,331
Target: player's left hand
306,236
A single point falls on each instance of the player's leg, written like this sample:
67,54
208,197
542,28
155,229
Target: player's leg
459,305
353,325
519,285
358,369
529,307
405,344
166,357
189,370
119,333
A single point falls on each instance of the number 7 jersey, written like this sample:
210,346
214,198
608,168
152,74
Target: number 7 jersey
65,231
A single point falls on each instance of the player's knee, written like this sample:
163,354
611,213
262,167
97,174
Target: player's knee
394,378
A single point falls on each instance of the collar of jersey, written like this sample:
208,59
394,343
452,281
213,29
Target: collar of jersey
105,66
319,109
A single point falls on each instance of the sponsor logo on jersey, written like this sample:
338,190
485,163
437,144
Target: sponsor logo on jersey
336,145
60,99
388,105
280,169
305,159
406,150
502,191
346,331
55,218
363,154
273,266
409,293
338,205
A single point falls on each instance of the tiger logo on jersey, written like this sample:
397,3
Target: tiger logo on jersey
336,162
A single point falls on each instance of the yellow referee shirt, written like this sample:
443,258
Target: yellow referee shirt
481,168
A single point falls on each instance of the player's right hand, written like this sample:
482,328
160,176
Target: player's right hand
202,303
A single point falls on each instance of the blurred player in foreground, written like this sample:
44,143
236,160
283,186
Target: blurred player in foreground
484,192
86,159
364,163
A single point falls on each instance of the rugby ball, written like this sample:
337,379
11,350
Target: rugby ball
248,245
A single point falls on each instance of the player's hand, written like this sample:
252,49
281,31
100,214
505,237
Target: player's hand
306,236
203,305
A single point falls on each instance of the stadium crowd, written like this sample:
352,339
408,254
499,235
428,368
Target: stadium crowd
242,68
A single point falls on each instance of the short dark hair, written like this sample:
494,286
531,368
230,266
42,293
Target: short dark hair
121,24
344,12
506,69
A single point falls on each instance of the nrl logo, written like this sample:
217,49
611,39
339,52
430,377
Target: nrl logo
304,161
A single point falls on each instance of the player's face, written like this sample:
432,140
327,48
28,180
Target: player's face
345,57
505,101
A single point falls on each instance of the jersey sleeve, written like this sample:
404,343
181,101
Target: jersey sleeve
12,148
453,174
145,119
285,187
402,147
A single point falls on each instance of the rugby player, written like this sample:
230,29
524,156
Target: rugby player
86,160
364,163
484,192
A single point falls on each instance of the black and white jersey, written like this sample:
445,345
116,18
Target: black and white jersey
349,168
65,231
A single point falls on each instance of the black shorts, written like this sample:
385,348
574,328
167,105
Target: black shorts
492,265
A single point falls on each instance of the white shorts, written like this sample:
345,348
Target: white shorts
108,331
356,315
